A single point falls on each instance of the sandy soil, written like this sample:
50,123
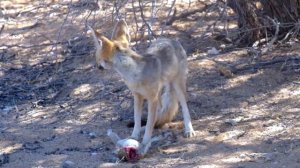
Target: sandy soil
55,106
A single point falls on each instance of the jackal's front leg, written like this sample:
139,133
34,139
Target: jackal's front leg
138,107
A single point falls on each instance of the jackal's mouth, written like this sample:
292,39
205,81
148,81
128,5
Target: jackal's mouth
100,67
104,65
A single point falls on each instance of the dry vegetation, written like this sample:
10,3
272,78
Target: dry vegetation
55,106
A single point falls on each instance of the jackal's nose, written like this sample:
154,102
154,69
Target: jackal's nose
100,67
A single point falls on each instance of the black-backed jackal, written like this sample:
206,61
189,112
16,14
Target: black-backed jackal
158,75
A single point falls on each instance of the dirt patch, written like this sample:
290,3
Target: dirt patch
56,106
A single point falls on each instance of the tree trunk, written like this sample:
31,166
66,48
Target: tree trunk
286,11
247,20
254,20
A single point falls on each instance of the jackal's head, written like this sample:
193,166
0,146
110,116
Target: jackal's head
106,48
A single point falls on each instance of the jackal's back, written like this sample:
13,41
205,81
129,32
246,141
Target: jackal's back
170,54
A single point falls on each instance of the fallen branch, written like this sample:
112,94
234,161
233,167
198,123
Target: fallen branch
31,26
185,14
262,65
270,44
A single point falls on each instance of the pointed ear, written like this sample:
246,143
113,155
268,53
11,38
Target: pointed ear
108,47
105,48
121,33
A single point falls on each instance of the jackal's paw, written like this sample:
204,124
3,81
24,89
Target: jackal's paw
189,134
143,149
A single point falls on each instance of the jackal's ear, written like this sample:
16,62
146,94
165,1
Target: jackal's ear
121,33
105,48
108,47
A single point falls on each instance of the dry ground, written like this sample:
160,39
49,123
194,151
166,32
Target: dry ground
55,106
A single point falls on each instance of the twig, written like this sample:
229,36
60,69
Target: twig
35,24
270,44
117,8
287,35
63,24
208,8
260,65
294,31
16,107
226,25
186,14
168,16
150,32
153,8
1,29
136,23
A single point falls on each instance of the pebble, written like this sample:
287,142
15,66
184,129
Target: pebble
234,121
213,51
264,156
94,153
125,104
68,164
230,135
92,135
7,110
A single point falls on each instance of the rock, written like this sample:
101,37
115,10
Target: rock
83,132
213,51
262,156
225,71
125,104
92,135
269,141
43,117
191,89
32,146
112,164
94,153
68,164
234,121
7,110
230,135
244,104
274,129
214,130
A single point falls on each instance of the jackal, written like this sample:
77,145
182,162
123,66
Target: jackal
158,75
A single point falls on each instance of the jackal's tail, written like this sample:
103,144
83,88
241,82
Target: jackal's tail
169,107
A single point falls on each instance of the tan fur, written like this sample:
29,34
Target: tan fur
169,108
158,75
108,48
121,34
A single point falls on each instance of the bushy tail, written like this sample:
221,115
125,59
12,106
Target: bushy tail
169,107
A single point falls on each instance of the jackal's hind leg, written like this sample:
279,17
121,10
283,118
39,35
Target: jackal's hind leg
188,128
